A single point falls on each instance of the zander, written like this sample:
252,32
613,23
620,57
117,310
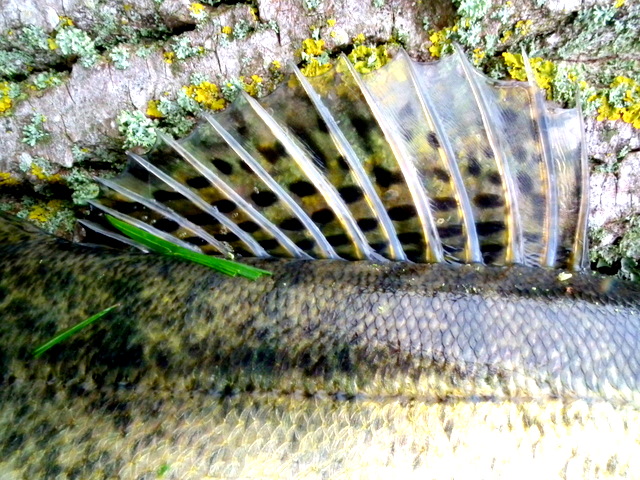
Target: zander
428,314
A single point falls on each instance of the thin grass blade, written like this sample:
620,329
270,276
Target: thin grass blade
73,330
164,247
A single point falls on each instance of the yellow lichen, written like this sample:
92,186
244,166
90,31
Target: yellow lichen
313,47
43,213
313,68
169,57
197,10
623,105
478,55
227,30
7,180
440,40
618,4
543,70
331,22
523,27
65,22
5,100
315,57
40,173
359,39
39,213
206,94
366,59
152,109
253,86
506,36
51,43
276,65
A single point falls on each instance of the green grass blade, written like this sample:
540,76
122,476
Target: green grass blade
165,247
76,328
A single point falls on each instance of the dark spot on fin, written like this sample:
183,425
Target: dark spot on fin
198,182
224,166
488,200
385,178
489,228
225,206
324,216
367,224
432,139
350,194
303,188
402,212
264,199
167,196
292,223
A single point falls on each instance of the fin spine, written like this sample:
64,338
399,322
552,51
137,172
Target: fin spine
551,221
256,216
325,247
144,226
110,234
579,259
355,164
473,254
252,245
515,250
362,248
434,252
171,214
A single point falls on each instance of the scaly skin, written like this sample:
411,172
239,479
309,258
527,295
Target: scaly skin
325,370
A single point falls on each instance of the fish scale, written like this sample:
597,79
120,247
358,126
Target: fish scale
391,165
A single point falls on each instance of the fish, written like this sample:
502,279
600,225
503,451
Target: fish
429,311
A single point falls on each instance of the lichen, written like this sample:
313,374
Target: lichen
473,9
73,41
182,48
543,70
621,254
8,180
366,58
34,132
120,57
312,4
82,185
53,216
6,102
45,80
137,129
198,11
242,29
441,41
314,57
253,85
206,94
621,101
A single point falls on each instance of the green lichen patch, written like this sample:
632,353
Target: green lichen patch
622,255
34,132
137,130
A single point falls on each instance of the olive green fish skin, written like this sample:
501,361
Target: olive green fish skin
327,368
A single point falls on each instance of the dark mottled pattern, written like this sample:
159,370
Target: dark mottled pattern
324,366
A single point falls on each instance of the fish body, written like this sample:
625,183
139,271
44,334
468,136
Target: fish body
326,369
462,339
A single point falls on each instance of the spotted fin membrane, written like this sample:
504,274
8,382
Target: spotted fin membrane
425,162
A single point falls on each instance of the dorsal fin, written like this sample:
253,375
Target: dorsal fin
415,161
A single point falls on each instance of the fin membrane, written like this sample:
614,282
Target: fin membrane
427,162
